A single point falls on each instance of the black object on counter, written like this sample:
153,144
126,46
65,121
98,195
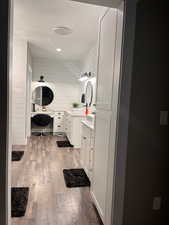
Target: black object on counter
83,98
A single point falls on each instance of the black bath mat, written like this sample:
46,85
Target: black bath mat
19,201
64,144
17,155
76,178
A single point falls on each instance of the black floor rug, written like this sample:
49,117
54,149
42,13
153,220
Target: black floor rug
64,144
76,178
19,201
17,155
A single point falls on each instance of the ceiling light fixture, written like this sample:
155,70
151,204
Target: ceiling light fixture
85,76
62,30
58,49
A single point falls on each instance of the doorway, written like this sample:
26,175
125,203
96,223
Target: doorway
25,126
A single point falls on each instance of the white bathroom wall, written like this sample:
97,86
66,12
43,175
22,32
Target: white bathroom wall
91,60
19,136
89,64
28,92
62,77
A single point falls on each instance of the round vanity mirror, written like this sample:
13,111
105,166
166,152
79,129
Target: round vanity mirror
89,93
42,96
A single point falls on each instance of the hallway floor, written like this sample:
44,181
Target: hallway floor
50,202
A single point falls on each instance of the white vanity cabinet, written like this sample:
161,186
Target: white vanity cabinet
58,125
72,128
87,149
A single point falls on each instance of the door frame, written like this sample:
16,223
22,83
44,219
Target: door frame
5,109
123,110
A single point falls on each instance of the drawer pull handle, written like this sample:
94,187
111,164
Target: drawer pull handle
59,126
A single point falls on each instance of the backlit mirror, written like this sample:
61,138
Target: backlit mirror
42,96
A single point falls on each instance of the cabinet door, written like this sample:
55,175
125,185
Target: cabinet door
59,119
83,147
65,122
88,150
106,60
59,128
91,155
58,125
101,160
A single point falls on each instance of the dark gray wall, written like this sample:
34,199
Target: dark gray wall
148,142
3,108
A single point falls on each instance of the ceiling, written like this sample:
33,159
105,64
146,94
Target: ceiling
34,21
107,3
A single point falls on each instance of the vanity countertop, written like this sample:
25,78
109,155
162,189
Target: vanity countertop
76,113
51,113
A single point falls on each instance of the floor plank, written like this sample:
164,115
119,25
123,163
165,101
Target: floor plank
50,202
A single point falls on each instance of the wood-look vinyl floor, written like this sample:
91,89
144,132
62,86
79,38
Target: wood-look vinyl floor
50,202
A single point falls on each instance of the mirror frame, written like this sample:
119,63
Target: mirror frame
43,86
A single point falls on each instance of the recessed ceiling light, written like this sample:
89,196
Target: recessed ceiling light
58,49
62,30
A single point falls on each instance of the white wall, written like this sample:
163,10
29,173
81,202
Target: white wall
91,60
19,136
62,76
90,65
28,92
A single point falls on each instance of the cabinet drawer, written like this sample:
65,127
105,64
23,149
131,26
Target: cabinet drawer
59,120
59,114
59,128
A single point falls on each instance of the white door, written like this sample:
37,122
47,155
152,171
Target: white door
106,60
106,113
83,147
